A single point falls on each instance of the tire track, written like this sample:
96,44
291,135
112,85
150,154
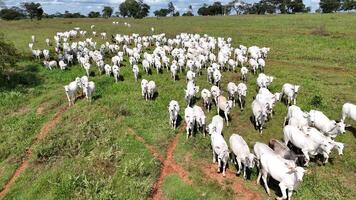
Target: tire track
25,162
169,166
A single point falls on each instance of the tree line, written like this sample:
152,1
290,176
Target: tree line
139,9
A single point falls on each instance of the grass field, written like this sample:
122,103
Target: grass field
93,153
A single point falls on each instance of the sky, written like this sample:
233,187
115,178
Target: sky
85,6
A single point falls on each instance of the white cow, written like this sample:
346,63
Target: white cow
348,110
199,118
241,94
329,127
116,72
244,72
288,178
215,93
206,96
232,90
225,106
241,153
290,92
151,89
305,142
173,110
88,90
189,118
190,92
50,64
259,112
144,91
217,77
62,65
135,71
216,125
296,117
220,151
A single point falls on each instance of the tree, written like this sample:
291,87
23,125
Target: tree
33,10
328,6
176,14
94,14
107,11
171,8
161,12
189,12
13,13
132,8
348,5
8,55
215,9
238,6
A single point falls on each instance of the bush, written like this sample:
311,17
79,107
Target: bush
317,101
11,14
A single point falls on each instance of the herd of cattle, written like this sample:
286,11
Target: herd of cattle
311,132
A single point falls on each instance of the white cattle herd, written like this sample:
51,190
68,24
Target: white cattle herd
312,132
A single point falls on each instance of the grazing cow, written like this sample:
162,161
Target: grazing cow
329,127
220,151
173,110
189,118
348,110
225,106
289,93
241,153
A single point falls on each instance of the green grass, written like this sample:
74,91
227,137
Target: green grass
91,155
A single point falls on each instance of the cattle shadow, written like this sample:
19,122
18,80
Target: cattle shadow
155,96
20,78
222,114
352,130
179,120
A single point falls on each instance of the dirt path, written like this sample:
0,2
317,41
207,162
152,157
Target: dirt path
25,162
169,166
237,185
150,148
